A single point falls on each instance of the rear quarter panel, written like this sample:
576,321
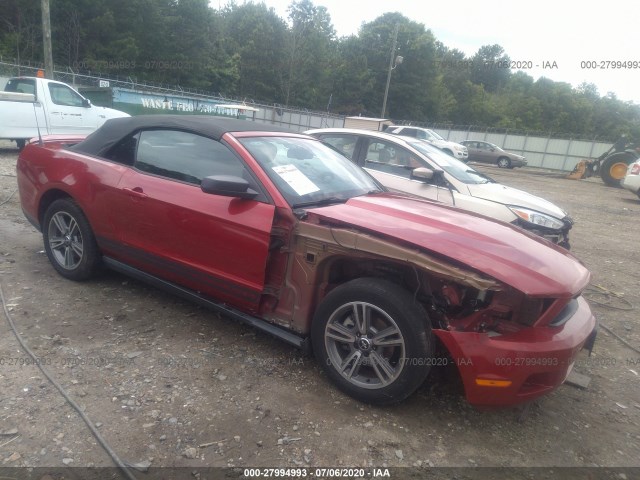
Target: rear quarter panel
49,171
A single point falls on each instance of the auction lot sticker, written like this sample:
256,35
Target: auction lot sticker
296,179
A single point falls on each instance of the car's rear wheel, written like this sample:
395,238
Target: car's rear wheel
504,162
69,241
373,340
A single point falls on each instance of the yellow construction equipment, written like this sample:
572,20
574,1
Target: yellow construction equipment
611,165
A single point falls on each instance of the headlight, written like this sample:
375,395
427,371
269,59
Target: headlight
459,147
537,218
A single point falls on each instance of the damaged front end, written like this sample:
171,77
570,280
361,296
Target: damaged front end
509,347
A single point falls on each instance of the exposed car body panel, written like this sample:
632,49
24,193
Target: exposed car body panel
503,252
354,241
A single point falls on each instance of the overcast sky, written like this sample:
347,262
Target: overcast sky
567,33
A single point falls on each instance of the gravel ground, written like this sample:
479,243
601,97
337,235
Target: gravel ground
169,384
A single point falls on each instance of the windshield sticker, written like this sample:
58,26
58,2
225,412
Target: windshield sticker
296,179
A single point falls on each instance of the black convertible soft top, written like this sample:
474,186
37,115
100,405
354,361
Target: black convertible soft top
115,129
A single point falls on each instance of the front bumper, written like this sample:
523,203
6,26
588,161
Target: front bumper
632,183
505,370
461,155
519,162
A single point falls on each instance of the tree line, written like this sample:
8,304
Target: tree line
248,51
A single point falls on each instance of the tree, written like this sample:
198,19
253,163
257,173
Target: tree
351,79
490,67
21,30
411,91
257,38
311,55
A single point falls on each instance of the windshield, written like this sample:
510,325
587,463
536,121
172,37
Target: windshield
307,172
435,135
457,169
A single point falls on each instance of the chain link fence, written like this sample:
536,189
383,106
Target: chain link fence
296,119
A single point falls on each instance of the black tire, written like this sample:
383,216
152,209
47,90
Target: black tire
20,143
612,170
373,372
69,241
504,162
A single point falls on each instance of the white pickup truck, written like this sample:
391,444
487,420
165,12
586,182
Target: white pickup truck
29,103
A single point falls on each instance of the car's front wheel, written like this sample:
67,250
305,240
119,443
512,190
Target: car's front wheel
373,340
69,240
504,162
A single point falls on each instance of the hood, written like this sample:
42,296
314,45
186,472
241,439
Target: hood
107,113
496,192
497,249
447,143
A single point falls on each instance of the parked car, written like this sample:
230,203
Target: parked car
60,110
632,180
413,166
454,149
485,152
278,230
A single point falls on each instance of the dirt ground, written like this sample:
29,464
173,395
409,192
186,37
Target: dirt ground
169,384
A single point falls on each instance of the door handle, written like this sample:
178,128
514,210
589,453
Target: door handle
135,192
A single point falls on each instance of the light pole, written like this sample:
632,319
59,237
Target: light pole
46,39
394,61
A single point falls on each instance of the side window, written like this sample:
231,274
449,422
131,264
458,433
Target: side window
389,158
345,144
185,156
125,151
21,85
63,95
421,135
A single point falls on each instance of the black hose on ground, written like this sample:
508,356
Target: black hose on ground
127,473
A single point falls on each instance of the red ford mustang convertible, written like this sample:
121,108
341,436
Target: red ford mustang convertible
277,230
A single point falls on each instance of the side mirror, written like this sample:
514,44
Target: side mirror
86,103
227,186
422,173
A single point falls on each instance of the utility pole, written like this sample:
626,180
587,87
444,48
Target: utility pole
391,67
46,39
